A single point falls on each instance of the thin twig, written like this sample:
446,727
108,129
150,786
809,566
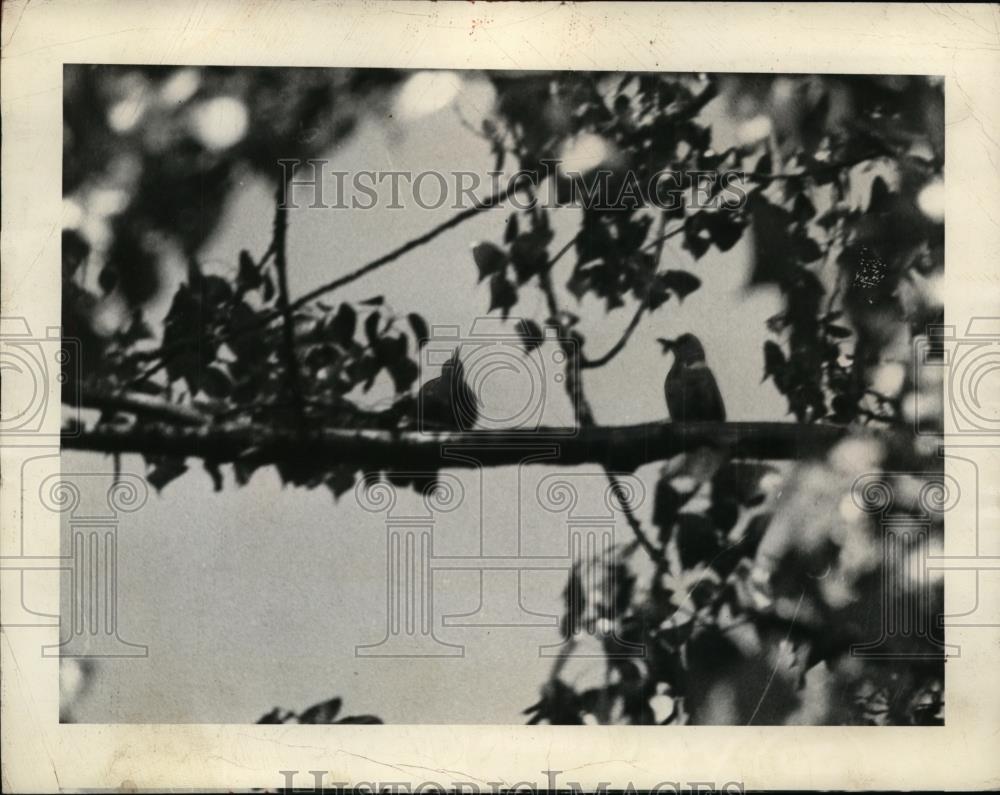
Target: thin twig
615,349
163,354
291,361
823,168
585,417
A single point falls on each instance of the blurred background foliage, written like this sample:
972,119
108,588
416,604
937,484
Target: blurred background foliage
766,576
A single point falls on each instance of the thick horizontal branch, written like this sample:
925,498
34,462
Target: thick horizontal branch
618,448
142,405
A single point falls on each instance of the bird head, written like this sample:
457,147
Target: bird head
453,369
687,348
453,373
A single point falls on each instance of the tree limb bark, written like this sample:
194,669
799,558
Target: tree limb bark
620,448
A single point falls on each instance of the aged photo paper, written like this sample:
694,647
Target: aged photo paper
479,397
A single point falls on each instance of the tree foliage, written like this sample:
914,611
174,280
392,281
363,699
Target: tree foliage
757,579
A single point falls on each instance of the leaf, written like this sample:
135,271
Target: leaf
164,471
212,468
322,713
341,480
390,350
879,198
838,331
215,291
216,383
772,245
249,277
530,333
807,249
75,250
277,715
268,288
529,254
697,541
364,719
108,278
666,506
490,259
695,243
403,373
376,300
243,469
503,294
680,283
371,328
510,233
344,324
764,166
774,363
420,330
726,229
803,209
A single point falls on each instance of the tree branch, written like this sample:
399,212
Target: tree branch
818,170
621,448
586,420
615,349
291,359
142,405
494,200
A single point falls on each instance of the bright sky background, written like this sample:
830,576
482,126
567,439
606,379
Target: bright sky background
256,597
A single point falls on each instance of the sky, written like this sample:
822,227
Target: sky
256,597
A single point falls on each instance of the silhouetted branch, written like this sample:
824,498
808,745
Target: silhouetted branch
615,349
585,416
494,200
142,405
291,360
621,448
819,170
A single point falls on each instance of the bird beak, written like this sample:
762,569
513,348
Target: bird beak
668,345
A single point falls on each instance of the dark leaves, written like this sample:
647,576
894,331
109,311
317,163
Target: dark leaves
680,283
213,470
324,713
108,278
344,323
530,333
371,328
164,470
249,277
697,540
490,260
529,253
503,294
216,383
420,331
774,363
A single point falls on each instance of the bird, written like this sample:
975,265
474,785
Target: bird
448,402
690,388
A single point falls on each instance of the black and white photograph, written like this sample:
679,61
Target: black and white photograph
504,397
524,396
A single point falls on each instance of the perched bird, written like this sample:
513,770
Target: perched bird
690,388
448,402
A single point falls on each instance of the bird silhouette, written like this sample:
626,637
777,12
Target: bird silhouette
448,402
690,388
